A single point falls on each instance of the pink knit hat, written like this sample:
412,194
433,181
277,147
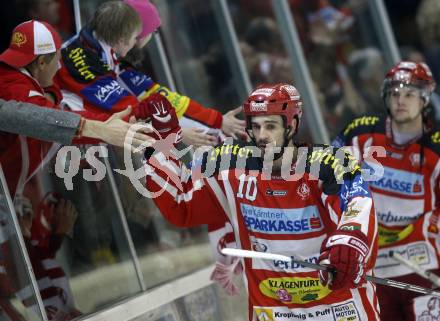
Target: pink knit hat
148,13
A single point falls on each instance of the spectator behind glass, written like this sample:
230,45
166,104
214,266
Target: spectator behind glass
91,62
231,126
43,234
366,69
26,72
429,34
92,79
26,75
269,64
45,10
15,12
330,43
51,12
149,17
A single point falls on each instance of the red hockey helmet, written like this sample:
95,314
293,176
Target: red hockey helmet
279,99
408,73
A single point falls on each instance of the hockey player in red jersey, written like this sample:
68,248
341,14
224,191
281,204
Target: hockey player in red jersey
406,195
323,213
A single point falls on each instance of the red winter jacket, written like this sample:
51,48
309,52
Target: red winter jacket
20,156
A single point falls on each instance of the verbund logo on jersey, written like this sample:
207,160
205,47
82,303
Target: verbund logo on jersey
398,181
281,221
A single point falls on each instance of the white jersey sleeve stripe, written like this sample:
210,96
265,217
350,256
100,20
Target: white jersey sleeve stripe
161,182
232,207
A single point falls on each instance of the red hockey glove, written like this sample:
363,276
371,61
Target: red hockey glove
162,115
344,252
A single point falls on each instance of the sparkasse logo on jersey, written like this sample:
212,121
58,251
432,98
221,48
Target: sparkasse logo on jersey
282,221
398,181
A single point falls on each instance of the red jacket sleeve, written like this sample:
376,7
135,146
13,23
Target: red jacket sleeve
182,199
208,116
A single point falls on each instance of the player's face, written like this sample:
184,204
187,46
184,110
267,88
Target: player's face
405,104
268,131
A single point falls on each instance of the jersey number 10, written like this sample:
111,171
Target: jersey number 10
251,187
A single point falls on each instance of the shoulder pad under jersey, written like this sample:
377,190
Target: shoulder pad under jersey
432,140
364,124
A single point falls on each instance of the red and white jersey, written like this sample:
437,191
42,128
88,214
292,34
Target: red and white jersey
406,195
270,214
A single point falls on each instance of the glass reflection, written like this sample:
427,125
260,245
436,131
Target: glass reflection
17,300
165,252
79,254
97,254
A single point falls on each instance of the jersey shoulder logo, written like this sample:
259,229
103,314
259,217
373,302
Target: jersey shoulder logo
335,160
361,122
435,137
350,212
